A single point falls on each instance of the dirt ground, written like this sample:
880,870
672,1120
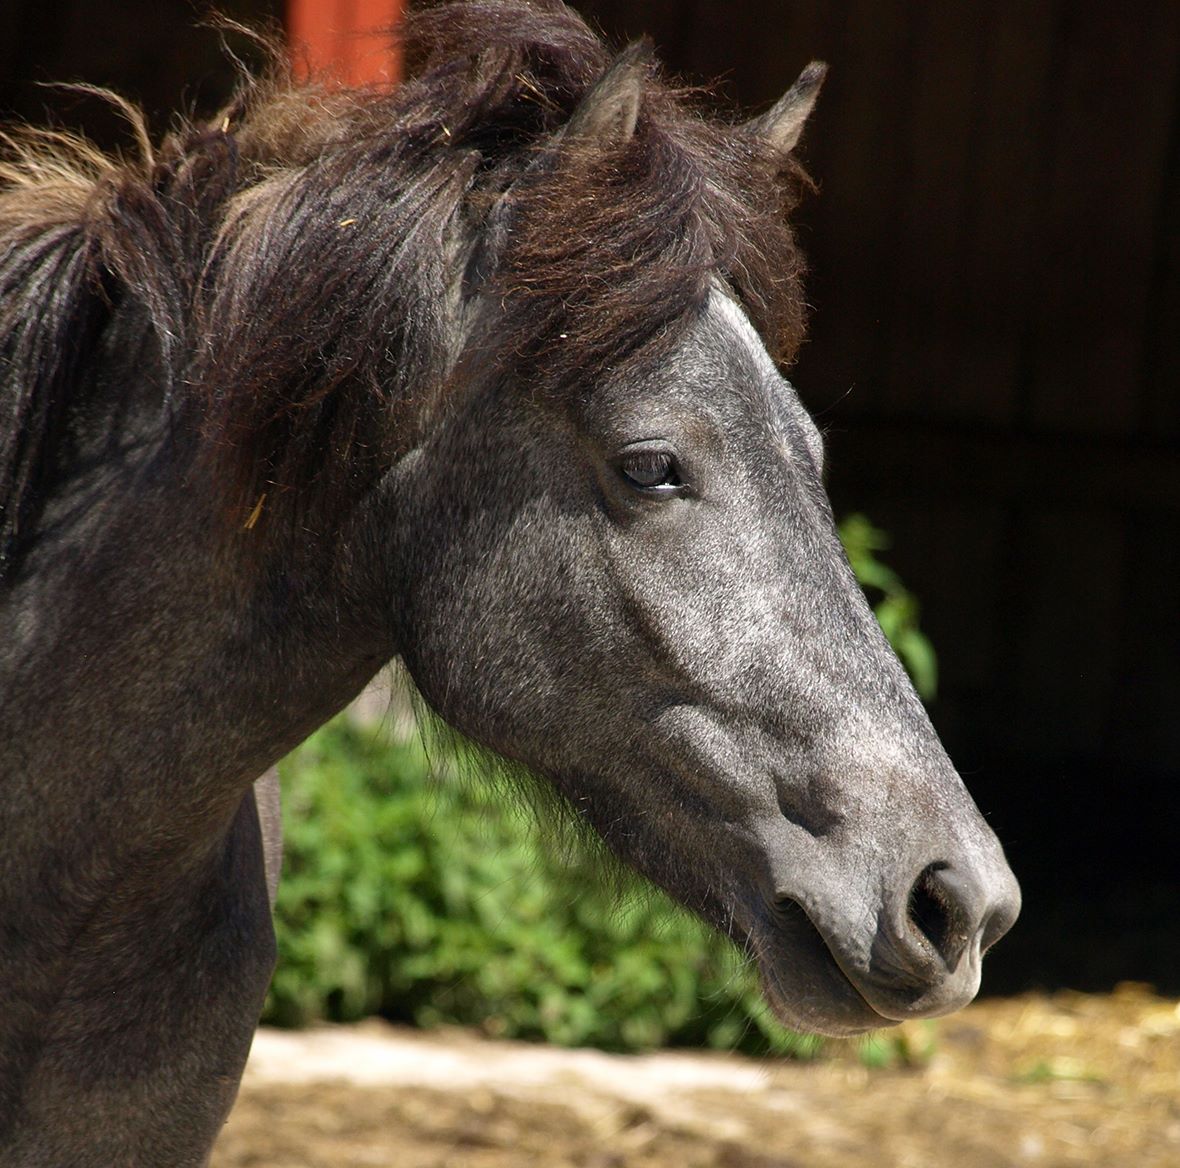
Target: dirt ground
1050,1082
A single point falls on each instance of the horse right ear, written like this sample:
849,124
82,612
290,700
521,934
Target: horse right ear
609,113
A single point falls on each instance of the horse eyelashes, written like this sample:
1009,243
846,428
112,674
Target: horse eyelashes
651,470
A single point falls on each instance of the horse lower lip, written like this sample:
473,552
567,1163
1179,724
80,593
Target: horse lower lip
844,1014
845,1010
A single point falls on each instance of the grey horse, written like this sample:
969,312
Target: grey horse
482,374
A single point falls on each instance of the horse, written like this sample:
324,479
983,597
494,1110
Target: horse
484,374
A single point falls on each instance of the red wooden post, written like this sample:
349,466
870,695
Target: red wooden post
347,40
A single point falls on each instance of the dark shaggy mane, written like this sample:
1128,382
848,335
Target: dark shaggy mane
299,257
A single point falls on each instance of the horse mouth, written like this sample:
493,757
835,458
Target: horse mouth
802,980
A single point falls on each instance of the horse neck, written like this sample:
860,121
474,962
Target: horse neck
153,668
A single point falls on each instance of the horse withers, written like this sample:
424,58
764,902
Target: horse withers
482,374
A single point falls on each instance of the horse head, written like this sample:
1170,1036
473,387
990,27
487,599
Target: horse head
617,565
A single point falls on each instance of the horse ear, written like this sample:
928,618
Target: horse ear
610,111
782,126
608,115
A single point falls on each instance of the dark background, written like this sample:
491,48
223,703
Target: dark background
994,354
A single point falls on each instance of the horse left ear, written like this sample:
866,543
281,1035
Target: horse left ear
610,111
782,126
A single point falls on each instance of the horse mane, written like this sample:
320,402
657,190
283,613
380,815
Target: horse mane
297,257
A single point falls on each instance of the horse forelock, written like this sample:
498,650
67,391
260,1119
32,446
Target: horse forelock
297,256
613,247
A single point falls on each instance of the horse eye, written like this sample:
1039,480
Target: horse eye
651,470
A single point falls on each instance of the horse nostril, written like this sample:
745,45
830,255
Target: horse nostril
938,913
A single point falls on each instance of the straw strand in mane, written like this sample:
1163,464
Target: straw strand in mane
299,260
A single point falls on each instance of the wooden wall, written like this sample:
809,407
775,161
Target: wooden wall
153,51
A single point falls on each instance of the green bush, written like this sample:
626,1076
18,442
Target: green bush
415,891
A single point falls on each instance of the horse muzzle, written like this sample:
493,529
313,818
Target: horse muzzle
834,962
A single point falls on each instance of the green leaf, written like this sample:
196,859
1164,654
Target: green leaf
894,606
